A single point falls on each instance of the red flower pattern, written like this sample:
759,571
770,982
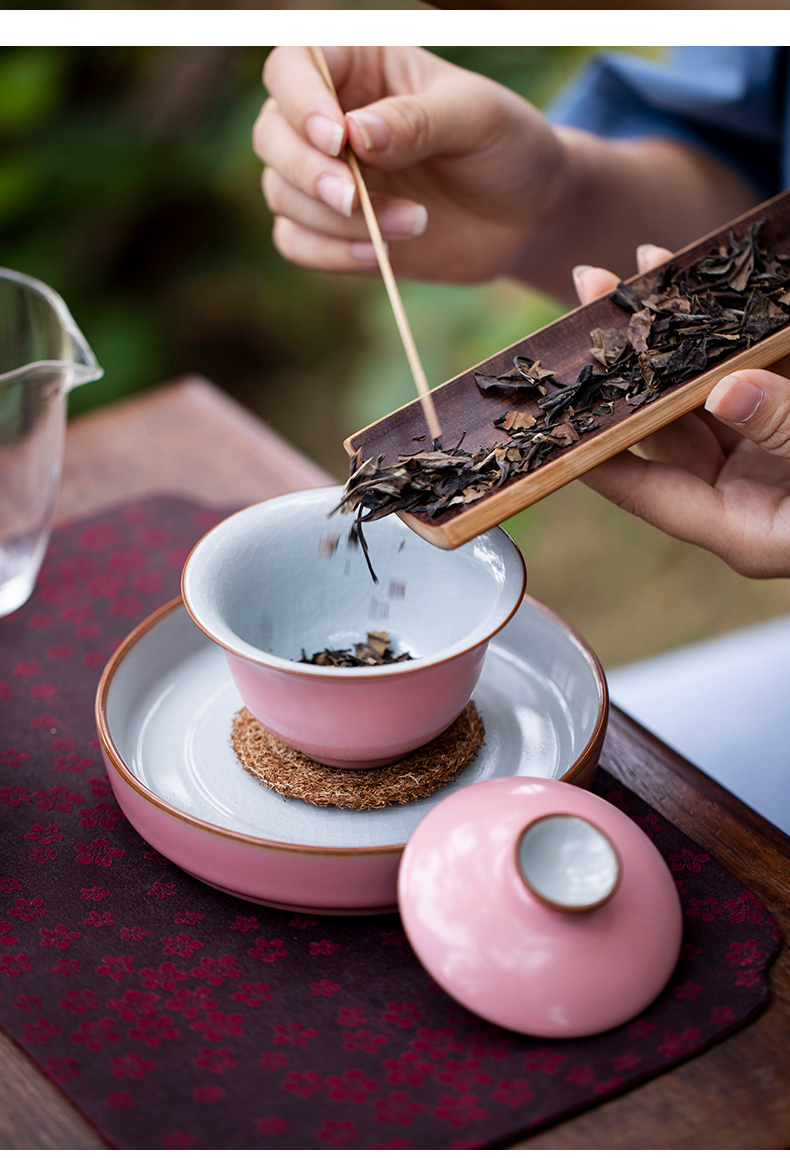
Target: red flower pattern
79,1000
293,1034
99,851
190,917
214,971
154,1030
272,1125
268,950
216,1060
98,919
211,1094
706,908
513,1092
28,910
545,1060
131,1065
94,1035
245,924
337,1133
41,1030
217,1025
460,1111
322,948
364,1040
181,946
689,860
352,1086
253,993
678,1044
324,988
115,967
746,908
61,936
409,1069
136,933
402,1013
303,1084
581,1076
120,1100
61,798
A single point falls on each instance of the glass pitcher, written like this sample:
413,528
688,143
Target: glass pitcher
43,356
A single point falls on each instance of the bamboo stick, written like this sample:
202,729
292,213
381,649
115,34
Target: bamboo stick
402,322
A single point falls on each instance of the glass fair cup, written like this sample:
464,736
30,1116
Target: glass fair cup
43,356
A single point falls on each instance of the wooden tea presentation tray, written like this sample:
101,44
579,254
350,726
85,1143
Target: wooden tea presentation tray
564,346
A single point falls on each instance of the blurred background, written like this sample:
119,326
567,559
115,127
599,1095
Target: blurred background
127,183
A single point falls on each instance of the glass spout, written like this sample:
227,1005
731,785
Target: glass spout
39,338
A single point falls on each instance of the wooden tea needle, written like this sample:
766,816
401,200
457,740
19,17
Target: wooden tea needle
380,249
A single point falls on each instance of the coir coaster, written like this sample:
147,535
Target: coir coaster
419,774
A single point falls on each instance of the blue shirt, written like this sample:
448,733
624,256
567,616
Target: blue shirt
733,102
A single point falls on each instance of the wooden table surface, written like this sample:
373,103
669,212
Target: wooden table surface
190,439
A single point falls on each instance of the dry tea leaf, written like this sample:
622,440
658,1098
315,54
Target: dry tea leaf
608,346
518,420
375,652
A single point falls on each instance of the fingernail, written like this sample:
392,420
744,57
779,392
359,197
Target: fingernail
373,129
404,220
734,400
578,272
326,135
644,255
336,193
364,252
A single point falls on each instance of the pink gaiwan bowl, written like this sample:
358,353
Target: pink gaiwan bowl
280,577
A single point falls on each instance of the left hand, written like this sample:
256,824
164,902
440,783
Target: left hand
718,477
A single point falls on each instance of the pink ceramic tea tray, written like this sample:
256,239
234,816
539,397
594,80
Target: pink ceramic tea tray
164,711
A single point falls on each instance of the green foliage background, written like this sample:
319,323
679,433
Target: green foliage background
127,182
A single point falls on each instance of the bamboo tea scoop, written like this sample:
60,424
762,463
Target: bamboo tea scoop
404,329
564,347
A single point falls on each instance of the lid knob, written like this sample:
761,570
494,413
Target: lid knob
567,863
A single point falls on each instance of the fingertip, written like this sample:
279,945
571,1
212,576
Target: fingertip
373,131
648,256
364,253
734,400
592,282
327,135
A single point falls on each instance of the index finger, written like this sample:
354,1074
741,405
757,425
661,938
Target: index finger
292,78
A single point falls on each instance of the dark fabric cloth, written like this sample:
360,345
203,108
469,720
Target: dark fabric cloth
175,1016
732,101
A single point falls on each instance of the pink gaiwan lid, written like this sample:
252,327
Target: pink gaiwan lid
540,907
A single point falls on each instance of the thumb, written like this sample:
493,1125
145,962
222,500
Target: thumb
399,131
451,116
756,403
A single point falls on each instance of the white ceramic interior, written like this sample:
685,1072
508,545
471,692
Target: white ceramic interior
568,862
266,583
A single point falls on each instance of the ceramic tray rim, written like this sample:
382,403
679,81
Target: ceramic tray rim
129,778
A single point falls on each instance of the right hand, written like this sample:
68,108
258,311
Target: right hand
470,169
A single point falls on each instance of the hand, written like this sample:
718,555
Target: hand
718,477
463,160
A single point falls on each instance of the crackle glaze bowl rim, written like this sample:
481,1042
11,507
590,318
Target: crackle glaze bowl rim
512,559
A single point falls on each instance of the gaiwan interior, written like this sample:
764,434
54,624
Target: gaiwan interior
280,578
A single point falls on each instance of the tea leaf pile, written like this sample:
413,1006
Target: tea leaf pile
681,321
375,652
